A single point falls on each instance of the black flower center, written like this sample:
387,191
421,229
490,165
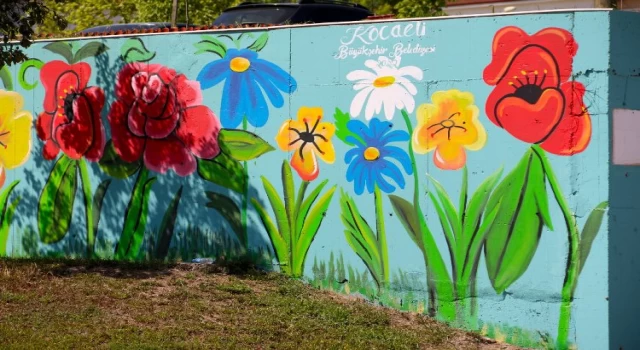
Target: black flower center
530,87
308,136
68,105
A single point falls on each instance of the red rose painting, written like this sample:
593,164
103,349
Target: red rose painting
159,117
71,119
533,98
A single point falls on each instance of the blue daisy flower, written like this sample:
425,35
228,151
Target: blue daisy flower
371,160
247,79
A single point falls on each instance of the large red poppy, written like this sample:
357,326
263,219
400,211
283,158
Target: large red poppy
158,117
533,98
71,119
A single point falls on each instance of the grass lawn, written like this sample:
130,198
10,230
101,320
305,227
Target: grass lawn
82,305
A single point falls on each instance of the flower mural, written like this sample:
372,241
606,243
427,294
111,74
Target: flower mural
386,86
308,138
71,118
159,117
449,125
15,132
370,161
533,98
247,78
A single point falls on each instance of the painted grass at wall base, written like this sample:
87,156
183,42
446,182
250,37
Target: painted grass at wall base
452,167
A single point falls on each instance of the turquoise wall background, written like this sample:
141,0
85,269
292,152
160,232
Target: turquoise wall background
289,69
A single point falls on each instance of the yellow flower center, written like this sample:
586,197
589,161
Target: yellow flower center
384,81
371,154
239,64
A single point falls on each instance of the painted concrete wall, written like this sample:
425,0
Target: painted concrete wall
456,167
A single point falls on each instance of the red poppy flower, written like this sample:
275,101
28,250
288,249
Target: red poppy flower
71,119
158,117
533,99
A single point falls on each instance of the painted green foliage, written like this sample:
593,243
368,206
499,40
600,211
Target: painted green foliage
297,219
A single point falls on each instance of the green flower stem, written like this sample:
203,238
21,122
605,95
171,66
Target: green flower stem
573,261
88,204
382,235
245,196
438,279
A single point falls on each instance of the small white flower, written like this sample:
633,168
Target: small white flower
386,86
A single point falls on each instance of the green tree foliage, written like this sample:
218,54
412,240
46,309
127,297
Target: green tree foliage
82,14
18,18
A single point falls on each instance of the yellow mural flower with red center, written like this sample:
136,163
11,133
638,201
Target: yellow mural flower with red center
15,132
307,137
449,125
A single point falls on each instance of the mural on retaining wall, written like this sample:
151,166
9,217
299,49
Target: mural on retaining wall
149,119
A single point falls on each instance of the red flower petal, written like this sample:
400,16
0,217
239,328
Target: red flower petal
56,76
95,96
509,41
75,137
166,74
127,145
44,125
124,86
136,120
187,91
573,133
50,150
169,153
198,130
531,122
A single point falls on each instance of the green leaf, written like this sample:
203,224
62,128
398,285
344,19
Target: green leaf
462,208
133,50
91,49
5,77
279,245
243,145
448,231
342,132
260,43
360,237
61,48
230,211
312,223
289,202
55,207
223,171
590,231
305,206
279,210
212,45
406,213
35,63
135,219
449,209
512,240
98,198
6,215
167,226
112,165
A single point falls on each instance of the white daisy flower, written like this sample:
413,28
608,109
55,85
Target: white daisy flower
386,85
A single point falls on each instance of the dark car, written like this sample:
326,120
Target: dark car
129,26
305,11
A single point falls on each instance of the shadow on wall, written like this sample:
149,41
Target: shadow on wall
141,173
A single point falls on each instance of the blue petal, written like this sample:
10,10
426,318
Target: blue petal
282,80
232,53
395,136
398,154
379,128
258,111
270,89
384,186
355,172
359,128
370,177
393,172
213,73
246,53
351,154
233,107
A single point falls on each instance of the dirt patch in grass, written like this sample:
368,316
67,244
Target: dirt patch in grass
108,305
